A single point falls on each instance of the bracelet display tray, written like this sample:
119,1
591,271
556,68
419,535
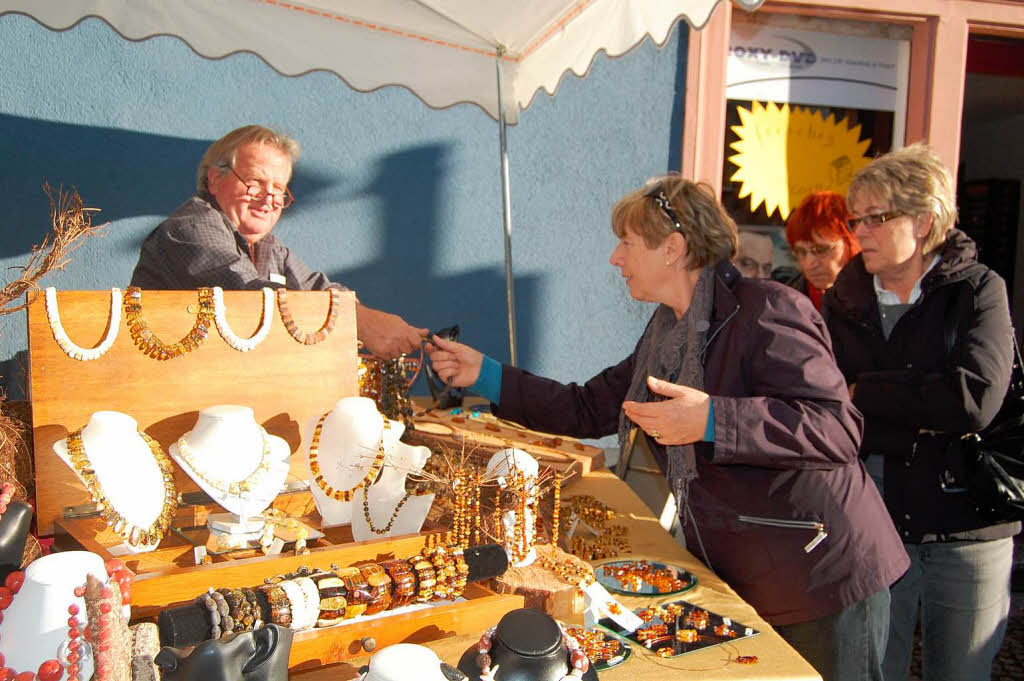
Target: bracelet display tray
288,385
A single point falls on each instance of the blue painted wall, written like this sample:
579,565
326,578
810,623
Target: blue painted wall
399,201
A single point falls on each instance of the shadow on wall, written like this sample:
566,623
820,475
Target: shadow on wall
132,174
126,173
406,278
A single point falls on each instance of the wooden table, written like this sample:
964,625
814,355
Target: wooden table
776,659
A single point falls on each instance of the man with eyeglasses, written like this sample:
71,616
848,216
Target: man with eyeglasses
755,254
221,236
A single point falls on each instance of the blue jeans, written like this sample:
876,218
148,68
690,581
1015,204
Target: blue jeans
847,645
963,591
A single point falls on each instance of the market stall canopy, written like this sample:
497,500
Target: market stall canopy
442,50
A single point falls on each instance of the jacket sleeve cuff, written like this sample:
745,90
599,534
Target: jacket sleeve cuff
709,429
488,383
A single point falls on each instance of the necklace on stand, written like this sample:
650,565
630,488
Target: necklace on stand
149,343
394,515
318,476
131,533
229,336
236,488
66,344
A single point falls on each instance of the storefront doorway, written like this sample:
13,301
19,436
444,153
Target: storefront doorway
991,167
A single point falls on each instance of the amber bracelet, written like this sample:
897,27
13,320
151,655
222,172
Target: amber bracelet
379,587
358,595
280,606
293,328
461,572
403,582
254,607
333,598
444,568
426,578
246,615
227,622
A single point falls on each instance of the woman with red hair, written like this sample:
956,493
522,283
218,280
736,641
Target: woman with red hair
817,234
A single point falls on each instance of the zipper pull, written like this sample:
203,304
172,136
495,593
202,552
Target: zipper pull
818,538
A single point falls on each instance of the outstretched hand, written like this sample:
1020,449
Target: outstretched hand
679,420
455,362
387,335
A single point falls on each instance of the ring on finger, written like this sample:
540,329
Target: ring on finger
655,434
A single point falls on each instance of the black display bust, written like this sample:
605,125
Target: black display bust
527,646
260,655
14,527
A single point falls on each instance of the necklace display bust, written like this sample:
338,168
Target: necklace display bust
403,661
498,467
35,625
234,460
126,470
353,436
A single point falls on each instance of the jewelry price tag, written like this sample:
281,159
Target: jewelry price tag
199,552
275,547
605,605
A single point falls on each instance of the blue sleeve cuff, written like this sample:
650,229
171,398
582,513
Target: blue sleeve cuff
488,383
709,429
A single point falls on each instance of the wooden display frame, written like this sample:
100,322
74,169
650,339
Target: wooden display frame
286,384
296,385
481,435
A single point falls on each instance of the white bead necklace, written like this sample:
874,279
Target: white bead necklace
229,336
60,335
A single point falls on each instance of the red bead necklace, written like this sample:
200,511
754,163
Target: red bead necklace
97,634
51,670
6,494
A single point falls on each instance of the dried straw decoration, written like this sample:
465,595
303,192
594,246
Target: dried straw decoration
72,224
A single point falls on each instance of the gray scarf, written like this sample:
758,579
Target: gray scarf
670,350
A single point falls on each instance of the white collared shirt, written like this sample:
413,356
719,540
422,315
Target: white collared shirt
886,297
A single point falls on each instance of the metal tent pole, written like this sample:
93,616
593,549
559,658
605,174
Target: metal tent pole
506,205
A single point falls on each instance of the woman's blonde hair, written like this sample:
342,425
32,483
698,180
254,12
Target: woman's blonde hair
221,154
914,181
710,233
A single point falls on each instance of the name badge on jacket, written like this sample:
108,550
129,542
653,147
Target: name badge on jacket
278,278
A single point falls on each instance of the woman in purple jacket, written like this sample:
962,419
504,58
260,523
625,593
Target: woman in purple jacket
735,387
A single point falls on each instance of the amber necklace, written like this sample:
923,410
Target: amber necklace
131,533
394,515
293,328
149,343
318,476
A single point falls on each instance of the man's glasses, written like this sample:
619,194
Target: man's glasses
873,220
256,192
815,251
753,269
657,194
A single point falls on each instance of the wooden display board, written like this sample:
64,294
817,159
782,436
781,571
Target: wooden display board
286,384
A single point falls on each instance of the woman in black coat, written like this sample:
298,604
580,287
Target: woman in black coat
922,333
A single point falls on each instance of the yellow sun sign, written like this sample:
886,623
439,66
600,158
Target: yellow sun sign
785,154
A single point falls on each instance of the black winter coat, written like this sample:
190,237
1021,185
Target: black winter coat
786,442
918,399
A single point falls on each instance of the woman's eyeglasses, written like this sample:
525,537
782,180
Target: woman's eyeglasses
873,220
815,251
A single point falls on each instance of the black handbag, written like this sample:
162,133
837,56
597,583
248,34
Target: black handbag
995,455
